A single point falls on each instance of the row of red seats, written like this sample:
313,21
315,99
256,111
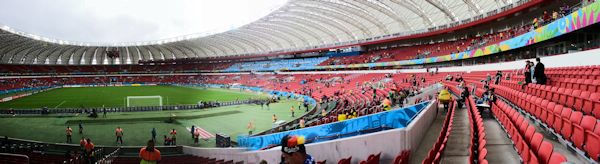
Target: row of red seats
582,101
579,72
590,85
66,69
435,153
478,135
581,131
372,159
573,72
524,137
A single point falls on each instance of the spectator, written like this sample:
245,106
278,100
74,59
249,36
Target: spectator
464,95
196,136
192,130
149,154
89,150
82,143
173,137
294,152
250,127
292,110
153,132
527,72
167,140
301,123
538,73
80,127
69,132
444,98
498,77
119,134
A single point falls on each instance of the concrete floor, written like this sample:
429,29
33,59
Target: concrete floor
499,146
457,148
427,142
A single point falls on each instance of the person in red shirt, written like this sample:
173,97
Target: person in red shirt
89,149
173,137
167,141
119,134
196,135
82,143
69,134
149,154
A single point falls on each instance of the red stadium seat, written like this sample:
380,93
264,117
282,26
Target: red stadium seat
545,152
557,158
578,136
592,145
345,160
588,123
482,154
536,141
529,133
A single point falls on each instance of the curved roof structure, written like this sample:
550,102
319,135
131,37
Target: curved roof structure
298,25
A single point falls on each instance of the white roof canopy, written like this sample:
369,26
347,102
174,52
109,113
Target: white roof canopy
298,25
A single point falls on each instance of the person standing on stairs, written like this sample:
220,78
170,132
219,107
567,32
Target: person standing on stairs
540,76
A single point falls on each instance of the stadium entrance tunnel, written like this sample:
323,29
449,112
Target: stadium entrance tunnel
393,119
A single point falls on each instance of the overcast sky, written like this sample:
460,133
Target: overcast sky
110,21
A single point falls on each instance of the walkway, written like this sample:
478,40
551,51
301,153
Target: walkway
427,142
457,148
499,146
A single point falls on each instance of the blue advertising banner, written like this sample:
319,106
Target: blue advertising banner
393,119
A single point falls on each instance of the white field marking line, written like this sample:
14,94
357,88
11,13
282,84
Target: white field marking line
60,104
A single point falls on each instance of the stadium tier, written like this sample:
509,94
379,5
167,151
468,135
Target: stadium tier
498,82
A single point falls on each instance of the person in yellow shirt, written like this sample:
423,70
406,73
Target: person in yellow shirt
323,113
444,98
274,118
292,110
250,127
387,104
342,117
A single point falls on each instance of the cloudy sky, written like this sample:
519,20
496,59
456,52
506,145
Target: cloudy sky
110,21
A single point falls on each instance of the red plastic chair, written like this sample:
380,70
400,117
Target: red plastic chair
589,122
592,143
557,158
536,141
578,137
576,117
545,152
529,133
345,161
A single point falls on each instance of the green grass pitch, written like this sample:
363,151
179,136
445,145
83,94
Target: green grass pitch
230,120
115,96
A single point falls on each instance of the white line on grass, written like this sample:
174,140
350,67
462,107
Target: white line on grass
60,104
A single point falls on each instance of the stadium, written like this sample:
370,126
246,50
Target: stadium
304,81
